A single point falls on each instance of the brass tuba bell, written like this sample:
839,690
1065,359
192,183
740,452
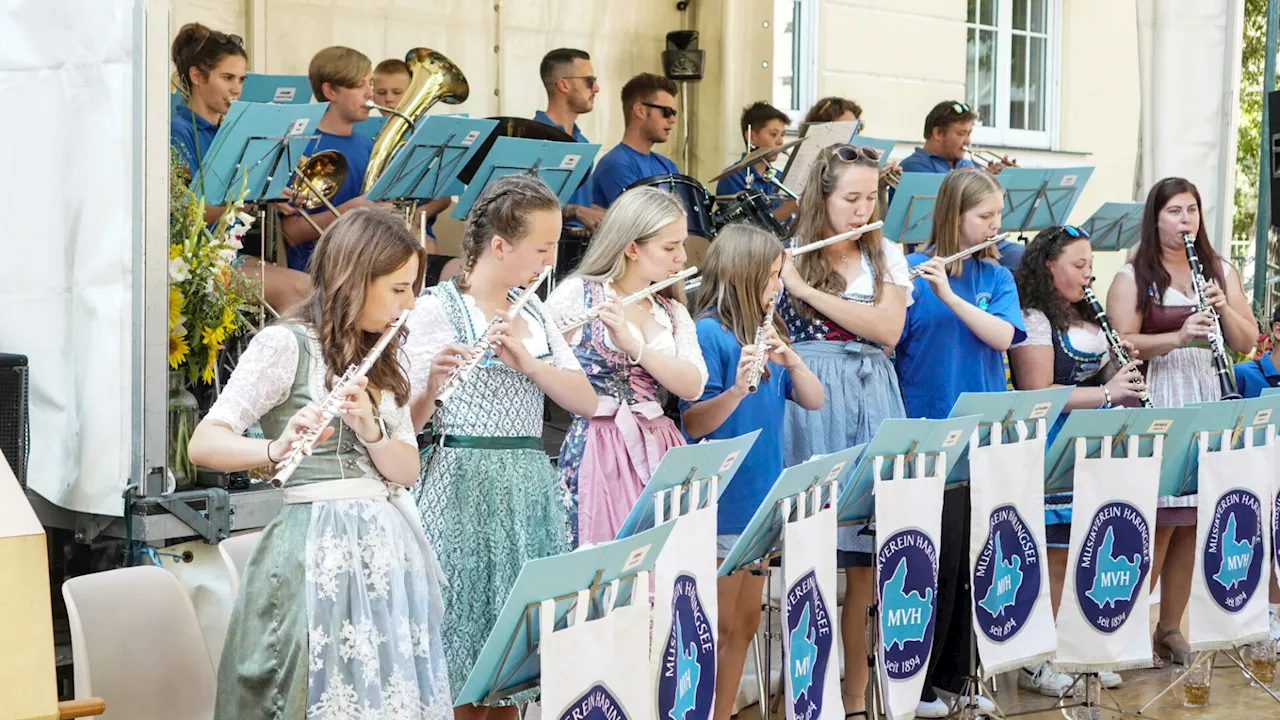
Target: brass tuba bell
434,78
317,179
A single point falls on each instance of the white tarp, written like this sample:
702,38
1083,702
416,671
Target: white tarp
67,197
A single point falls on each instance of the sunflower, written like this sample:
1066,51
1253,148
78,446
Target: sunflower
210,364
178,349
175,306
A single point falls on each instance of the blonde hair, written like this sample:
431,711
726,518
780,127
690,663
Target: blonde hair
339,66
635,217
812,226
961,191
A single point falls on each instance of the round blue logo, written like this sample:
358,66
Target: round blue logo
1233,551
1112,565
982,300
1006,578
687,678
807,646
1275,528
907,566
598,703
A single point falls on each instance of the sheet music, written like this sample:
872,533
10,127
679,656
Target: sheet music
819,136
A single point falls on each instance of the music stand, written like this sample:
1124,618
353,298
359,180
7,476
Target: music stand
1270,392
560,165
1122,424
256,148
684,465
1023,188
1058,195
1114,226
1234,416
509,662
910,215
1005,407
370,126
823,135
282,89
430,160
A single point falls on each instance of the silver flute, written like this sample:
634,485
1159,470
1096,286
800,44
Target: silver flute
306,443
917,272
583,318
1113,338
761,352
481,349
836,238
1222,365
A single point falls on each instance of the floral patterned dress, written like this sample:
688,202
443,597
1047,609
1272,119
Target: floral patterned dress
339,609
489,496
606,459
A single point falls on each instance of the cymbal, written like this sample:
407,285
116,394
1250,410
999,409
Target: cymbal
517,127
756,156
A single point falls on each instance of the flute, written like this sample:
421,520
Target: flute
1112,337
481,349
582,319
916,271
757,361
837,238
329,405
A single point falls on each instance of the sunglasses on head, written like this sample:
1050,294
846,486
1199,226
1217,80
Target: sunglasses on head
219,37
667,112
850,153
959,108
1075,233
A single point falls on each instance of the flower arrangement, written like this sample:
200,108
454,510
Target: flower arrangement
210,299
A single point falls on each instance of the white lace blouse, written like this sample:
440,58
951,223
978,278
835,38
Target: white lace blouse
430,331
264,377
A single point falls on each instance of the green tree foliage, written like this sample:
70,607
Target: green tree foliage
1249,132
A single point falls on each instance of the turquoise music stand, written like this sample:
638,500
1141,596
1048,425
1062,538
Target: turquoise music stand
257,145
909,437
1005,407
683,465
1237,417
370,126
1058,196
430,160
561,165
1023,188
509,663
764,531
281,89
909,219
1114,226
1270,392
1123,424
884,147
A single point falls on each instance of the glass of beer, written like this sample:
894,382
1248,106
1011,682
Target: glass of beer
1195,681
1260,658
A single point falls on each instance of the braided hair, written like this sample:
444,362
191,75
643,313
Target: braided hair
502,209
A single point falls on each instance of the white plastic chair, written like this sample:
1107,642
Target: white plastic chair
136,644
235,553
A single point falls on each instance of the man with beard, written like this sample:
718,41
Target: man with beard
649,105
571,85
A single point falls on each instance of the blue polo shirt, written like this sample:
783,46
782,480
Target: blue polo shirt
1252,377
737,182
622,166
939,357
763,410
581,196
191,134
923,161
356,148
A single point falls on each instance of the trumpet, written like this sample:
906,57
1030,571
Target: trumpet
761,352
983,158
480,349
1113,338
329,406
582,319
836,238
1222,366
917,272
890,175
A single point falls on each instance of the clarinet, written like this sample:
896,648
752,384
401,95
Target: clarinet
1113,338
1222,366
480,350
329,406
757,362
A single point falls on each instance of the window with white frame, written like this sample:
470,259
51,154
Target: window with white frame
1011,72
794,61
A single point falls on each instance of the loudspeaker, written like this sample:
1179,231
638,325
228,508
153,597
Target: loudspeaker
682,60
1272,139
15,433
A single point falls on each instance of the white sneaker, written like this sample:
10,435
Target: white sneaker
933,709
1045,680
1109,679
1275,629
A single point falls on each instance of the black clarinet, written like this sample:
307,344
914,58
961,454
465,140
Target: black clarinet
1113,338
1222,367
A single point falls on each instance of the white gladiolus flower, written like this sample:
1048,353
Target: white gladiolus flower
246,219
179,271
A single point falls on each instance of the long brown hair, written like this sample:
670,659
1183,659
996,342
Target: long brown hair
1036,289
1149,272
358,248
502,209
812,224
734,278
961,190
196,46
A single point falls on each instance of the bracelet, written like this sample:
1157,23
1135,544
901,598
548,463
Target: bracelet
386,437
271,460
638,355
1106,394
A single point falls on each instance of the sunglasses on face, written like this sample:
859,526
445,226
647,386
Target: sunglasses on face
850,153
591,80
1074,232
667,112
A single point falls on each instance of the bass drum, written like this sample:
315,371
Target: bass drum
697,201
754,207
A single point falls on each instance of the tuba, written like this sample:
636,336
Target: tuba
434,78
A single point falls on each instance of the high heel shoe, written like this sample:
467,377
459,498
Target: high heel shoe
1168,642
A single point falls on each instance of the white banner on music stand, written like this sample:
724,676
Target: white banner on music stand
589,667
1012,612
1228,605
685,609
810,621
1103,619
908,524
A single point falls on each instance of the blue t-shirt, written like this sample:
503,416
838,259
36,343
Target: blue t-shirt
938,356
581,196
1252,377
356,148
924,161
622,166
192,138
763,410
